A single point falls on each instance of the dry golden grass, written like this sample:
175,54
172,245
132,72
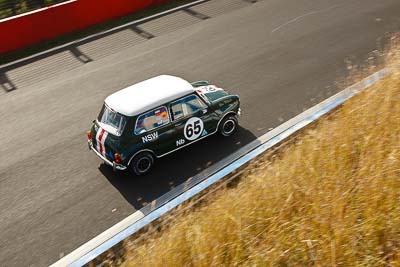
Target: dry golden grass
330,199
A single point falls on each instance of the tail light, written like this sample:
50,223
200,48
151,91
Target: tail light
89,136
117,158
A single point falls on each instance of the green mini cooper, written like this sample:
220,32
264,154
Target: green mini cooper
158,116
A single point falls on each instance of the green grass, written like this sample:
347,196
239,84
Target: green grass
331,198
21,53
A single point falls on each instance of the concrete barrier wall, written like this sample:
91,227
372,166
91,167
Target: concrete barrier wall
37,26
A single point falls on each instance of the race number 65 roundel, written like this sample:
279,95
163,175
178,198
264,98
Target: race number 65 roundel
193,128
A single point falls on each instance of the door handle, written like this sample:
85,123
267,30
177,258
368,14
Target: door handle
178,124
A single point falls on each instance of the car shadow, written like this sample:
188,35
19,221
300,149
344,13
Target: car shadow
176,168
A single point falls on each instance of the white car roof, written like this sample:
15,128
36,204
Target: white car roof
148,94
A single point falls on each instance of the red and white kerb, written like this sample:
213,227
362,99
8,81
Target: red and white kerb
101,137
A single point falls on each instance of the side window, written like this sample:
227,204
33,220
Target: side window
151,120
186,106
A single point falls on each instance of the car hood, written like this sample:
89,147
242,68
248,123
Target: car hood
211,92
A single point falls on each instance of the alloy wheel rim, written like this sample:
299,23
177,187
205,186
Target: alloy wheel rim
228,127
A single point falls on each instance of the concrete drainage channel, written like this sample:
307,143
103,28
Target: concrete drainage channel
211,176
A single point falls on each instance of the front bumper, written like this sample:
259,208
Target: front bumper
113,164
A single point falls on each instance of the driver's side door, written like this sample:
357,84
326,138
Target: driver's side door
191,120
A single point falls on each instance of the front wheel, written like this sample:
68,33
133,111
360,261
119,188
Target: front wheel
142,164
228,126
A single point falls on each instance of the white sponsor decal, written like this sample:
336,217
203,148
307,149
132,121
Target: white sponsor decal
150,137
180,142
209,89
193,128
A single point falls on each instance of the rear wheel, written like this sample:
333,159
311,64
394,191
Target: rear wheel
228,126
142,164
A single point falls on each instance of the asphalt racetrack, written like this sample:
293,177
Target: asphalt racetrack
280,56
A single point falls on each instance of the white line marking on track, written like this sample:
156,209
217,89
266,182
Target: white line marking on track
98,240
303,16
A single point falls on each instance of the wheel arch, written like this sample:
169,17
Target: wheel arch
141,151
225,115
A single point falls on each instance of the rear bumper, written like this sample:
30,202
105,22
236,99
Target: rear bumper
113,164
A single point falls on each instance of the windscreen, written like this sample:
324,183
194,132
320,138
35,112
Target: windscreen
212,96
112,119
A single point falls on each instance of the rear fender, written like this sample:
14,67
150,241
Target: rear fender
140,151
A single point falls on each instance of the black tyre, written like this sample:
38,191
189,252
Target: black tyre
142,164
228,126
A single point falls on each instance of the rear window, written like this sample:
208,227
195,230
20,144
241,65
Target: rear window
112,119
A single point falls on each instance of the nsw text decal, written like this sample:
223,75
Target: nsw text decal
150,137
